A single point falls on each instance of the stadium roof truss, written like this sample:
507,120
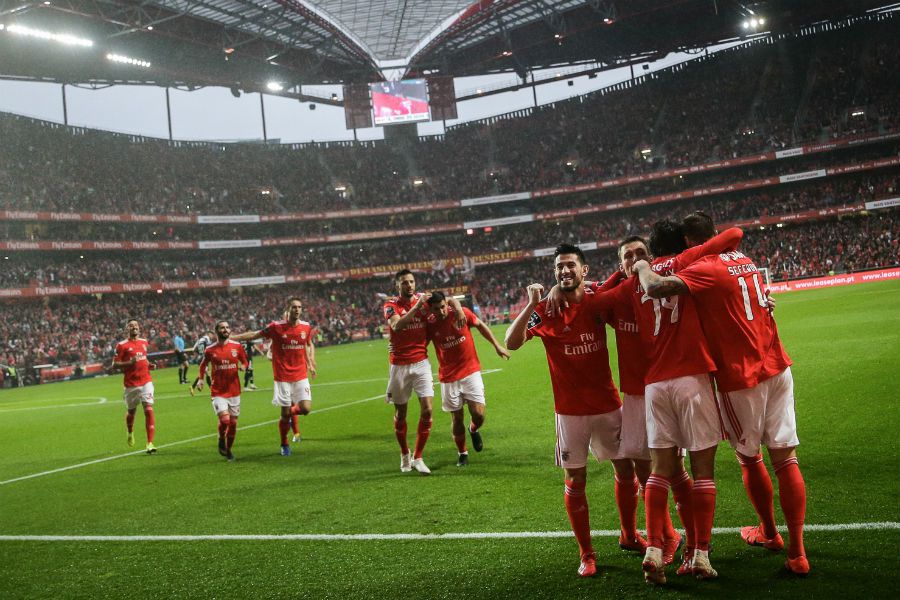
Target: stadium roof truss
245,43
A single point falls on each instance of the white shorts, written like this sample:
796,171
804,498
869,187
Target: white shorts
576,434
682,412
406,379
232,405
761,415
456,393
634,428
288,393
137,395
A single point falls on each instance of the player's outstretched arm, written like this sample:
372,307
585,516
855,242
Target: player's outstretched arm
246,336
726,241
482,328
515,335
656,286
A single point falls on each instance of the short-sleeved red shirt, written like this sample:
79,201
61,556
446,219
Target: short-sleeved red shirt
224,360
289,349
575,343
743,336
139,373
632,351
410,344
454,347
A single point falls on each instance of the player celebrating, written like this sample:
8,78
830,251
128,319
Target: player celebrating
410,370
588,409
293,364
460,371
681,406
754,381
131,357
226,358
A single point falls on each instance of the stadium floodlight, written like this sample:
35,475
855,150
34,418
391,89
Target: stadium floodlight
2,26
340,188
62,38
274,86
507,53
127,60
746,24
858,113
418,181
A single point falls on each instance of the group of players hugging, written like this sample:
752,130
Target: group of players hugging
699,360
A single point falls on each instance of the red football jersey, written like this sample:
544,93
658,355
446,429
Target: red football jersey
224,358
575,343
670,326
454,347
139,373
410,344
742,336
289,349
631,349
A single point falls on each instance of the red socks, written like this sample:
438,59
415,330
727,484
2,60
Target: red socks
704,499
295,420
682,490
627,502
656,505
224,420
422,433
230,432
284,425
759,489
792,494
400,431
129,421
149,423
460,441
577,509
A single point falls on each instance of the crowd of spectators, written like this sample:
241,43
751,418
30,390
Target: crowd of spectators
733,103
37,268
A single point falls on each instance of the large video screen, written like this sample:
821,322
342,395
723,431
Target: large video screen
399,101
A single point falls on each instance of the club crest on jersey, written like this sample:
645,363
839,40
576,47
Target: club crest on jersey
303,335
534,321
389,311
234,354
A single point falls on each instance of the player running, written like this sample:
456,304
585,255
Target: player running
754,381
293,365
587,404
131,357
460,371
227,357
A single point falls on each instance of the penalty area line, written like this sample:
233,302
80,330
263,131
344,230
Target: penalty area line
355,537
178,443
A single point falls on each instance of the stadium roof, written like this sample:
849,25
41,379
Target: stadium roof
243,44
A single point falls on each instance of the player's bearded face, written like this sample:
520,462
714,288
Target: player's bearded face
407,286
631,253
570,272
295,310
223,331
134,329
440,309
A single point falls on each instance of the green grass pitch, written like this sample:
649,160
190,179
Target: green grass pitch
344,479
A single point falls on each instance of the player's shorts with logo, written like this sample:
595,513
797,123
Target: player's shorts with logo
291,392
682,412
634,428
578,434
140,394
761,415
403,380
456,393
232,405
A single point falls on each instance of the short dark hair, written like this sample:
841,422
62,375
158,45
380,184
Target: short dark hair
698,226
569,249
402,273
290,300
219,322
130,320
630,239
667,238
436,297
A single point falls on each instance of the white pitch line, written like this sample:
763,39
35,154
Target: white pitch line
100,400
355,537
179,443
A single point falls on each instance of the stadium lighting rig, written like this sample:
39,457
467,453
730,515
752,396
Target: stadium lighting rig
274,86
127,60
62,38
754,23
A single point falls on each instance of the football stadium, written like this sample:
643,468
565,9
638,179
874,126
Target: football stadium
272,269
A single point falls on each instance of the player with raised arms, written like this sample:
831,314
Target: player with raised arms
293,365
